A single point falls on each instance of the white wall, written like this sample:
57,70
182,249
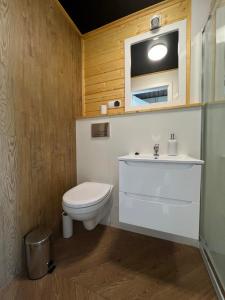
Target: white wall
97,157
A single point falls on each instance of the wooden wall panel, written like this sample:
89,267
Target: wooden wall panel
9,242
40,92
104,54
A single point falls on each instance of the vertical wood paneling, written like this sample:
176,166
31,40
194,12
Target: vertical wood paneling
9,246
40,92
104,53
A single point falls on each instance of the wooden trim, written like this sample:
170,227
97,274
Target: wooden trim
83,78
123,113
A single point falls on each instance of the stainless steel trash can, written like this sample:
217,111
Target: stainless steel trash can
37,244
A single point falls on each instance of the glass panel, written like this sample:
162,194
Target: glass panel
220,55
213,200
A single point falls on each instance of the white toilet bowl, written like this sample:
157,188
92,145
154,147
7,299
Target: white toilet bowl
88,202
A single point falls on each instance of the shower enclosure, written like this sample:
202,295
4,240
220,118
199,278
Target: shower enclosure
213,149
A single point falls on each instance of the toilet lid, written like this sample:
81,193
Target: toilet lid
86,194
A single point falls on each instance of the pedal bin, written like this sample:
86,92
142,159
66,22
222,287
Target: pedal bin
37,247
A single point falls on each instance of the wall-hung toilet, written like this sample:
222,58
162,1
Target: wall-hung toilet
88,202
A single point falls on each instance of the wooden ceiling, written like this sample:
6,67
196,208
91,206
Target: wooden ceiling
91,14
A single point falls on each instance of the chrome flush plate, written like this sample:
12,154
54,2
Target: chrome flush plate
100,130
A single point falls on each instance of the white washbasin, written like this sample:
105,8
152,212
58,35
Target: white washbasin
178,159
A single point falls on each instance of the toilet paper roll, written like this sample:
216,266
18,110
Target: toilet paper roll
67,226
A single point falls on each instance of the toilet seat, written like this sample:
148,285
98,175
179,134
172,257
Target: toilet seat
86,194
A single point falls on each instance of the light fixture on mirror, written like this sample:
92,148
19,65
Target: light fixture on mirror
157,52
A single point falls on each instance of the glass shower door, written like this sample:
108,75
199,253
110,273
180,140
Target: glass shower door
213,198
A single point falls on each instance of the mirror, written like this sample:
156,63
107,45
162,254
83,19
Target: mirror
155,68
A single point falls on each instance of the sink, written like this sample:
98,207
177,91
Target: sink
178,159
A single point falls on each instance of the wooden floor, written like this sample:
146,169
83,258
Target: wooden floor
109,263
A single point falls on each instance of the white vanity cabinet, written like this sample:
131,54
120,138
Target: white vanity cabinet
162,194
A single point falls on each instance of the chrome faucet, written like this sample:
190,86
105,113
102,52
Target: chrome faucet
156,151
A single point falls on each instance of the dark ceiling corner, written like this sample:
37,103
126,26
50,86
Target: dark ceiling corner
91,14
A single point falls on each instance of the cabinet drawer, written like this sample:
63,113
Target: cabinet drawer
174,181
171,216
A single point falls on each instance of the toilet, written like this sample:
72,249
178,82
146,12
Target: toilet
88,202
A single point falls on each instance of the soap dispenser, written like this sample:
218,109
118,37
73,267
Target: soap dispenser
172,145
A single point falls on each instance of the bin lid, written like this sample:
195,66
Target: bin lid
38,236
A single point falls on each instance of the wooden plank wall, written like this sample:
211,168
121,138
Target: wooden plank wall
9,243
40,92
103,54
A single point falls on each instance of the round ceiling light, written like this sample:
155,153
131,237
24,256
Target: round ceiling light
157,52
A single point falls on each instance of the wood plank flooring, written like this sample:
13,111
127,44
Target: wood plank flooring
109,263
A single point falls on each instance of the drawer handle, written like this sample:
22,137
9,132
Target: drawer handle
159,200
171,165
